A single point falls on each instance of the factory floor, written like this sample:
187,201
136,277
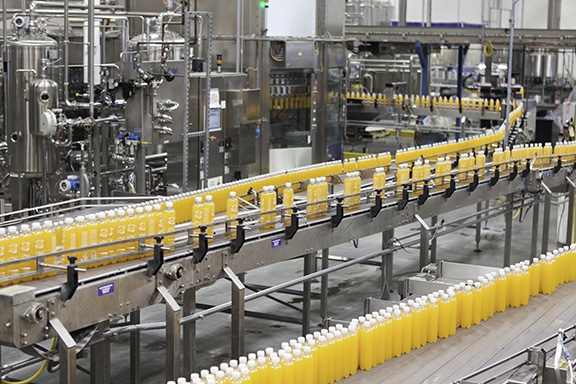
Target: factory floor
441,362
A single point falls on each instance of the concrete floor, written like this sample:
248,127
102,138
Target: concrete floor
347,289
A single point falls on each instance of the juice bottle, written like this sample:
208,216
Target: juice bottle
477,301
354,343
466,307
197,215
307,366
398,331
312,197
131,230
160,223
275,370
417,322
263,373
26,244
485,297
480,163
298,362
402,178
110,223
102,231
51,244
322,353
149,219
366,346
90,228
355,184
13,251
376,333
501,288
267,204
323,196
453,306
170,220
379,179
121,235
418,175
287,200
444,312
525,288
515,285
82,240
340,359
208,217
490,291
407,321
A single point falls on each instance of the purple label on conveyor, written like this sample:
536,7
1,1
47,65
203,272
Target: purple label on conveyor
106,289
276,243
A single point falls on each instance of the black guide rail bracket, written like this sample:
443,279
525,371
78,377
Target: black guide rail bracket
558,165
475,181
336,219
494,179
68,289
514,173
157,261
377,207
526,171
452,188
405,198
200,252
237,243
291,229
425,193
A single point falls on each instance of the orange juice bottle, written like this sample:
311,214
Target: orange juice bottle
81,227
102,239
515,285
417,322
298,362
501,288
477,300
288,199
485,297
466,309
312,197
51,245
407,321
444,311
491,285
307,366
267,204
263,370
323,196
232,213
424,310
131,230
387,336
480,163
354,342
208,217
379,179
170,222
197,214
323,364
90,225
453,305
402,177
276,370
13,251
120,228
525,281
366,346
398,330
288,369
26,251
110,224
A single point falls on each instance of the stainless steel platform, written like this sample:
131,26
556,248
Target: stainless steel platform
471,349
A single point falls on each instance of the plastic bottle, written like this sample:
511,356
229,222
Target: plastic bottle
354,344
197,215
406,330
131,231
453,305
308,366
417,321
444,312
112,250
323,196
490,291
121,234
13,251
312,197
150,220
466,308
477,301
501,288
208,217
515,286
525,281
485,297
268,204
170,222
51,245
366,346
26,249
287,200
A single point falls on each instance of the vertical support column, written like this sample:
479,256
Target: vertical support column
66,352
100,358
324,285
307,293
189,331
570,214
423,54
237,326
546,218
535,226
135,349
434,242
508,233
387,264
478,227
424,241
173,315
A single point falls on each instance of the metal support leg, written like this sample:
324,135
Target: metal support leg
238,293
546,218
570,214
478,227
424,241
535,226
66,352
189,331
324,285
135,349
309,259
434,242
387,264
100,358
508,230
173,315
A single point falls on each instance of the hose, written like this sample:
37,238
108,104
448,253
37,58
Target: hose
38,372
488,49
517,212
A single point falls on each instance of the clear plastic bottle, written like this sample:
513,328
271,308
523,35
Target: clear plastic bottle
208,217
170,222
312,198
232,213
197,215
406,330
26,251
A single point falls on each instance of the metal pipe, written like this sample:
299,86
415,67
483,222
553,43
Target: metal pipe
91,12
554,13
509,81
66,53
4,29
402,8
238,28
80,5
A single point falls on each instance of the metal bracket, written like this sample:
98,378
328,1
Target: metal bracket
425,193
68,289
156,263
238,305
405,197
237,243
496,176
451,189
377,207
337,218
514,173
291,230
66,351
173,315
558,166
474,184
526,171
200,252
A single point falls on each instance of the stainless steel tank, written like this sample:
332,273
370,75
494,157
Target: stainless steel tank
536,64
550,65
43,96
25,57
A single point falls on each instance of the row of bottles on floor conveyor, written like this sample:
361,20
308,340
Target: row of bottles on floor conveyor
492,105
332,354
29,241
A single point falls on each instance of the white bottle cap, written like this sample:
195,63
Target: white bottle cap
208,198
198,199
147,208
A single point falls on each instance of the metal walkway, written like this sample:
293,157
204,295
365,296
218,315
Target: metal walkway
484,344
